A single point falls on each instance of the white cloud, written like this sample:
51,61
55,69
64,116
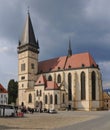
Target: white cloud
3,49
98,9
7,47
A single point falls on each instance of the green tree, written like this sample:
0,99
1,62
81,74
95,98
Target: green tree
12,91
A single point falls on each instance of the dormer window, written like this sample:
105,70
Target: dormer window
69,66
58,68
83,65
93,65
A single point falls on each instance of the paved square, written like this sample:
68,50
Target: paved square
48,121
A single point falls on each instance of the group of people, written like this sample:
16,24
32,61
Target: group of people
26,110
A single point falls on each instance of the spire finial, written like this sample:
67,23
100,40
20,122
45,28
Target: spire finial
69,49
28,9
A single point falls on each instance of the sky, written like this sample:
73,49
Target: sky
85,22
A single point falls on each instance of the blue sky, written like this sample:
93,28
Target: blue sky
85,22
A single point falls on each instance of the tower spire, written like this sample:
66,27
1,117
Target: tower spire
28,9
28,37
69,49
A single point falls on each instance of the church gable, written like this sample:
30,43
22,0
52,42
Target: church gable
48,85
41,80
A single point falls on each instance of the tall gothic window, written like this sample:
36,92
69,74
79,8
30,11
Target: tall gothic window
46,99
30,98
69,87
63,98
40,93
59,79
37,93
51,99
50,78
83,88
93,78
56,99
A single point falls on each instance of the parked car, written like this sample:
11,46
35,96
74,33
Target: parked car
53,111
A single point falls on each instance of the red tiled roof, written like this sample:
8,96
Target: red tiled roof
74,61
51,85
52,64
41,80
2,89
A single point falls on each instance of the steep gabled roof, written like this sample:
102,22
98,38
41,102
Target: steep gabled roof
52,64
2,89
41,80
80,60
48,85
74,62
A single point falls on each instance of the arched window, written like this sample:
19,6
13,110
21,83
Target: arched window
50,78
22,104
37,93
59,79
46,99
83,88
30,98
51,99
40,93
56,99
93,79
63,98
69,87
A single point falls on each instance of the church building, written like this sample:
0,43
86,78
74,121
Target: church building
71,81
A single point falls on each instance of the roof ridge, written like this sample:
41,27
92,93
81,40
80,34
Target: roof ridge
62,56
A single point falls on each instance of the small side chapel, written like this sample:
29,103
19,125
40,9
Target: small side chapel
72,81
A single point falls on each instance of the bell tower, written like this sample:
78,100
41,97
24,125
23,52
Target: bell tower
28,50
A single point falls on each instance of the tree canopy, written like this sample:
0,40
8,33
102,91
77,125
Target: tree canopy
12,91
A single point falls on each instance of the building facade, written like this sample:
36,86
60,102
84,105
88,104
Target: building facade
106,99
72,81
3,95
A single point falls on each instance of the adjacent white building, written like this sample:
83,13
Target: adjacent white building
3,95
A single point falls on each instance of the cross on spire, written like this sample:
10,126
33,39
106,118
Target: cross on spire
69,49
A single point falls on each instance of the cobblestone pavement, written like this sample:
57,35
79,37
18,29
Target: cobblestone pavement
46,121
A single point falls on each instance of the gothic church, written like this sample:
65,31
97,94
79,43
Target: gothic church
72,81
